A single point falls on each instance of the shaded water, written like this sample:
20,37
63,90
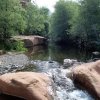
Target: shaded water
49,60
58,53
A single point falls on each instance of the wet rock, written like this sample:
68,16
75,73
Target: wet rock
27,85
44,66
63,86
96,53
71,62
95,56
88,75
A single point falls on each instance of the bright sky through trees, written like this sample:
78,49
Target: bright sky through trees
47,3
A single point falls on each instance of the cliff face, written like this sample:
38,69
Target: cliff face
24,2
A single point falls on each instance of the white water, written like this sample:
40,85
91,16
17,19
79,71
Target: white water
63,86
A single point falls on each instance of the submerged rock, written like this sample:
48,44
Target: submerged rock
27,85
88,75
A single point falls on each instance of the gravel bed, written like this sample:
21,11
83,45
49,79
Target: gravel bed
12,62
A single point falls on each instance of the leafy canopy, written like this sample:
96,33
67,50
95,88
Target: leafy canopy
11,18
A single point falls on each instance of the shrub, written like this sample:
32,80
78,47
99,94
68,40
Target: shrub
16,45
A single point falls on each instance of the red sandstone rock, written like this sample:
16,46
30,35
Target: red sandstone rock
31,40
27,85
88,75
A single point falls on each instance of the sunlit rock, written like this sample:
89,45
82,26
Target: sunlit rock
63,86
27,85
30,41
88,75
95,56
71,62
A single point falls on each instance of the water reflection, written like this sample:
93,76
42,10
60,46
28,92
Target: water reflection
38,52
57,53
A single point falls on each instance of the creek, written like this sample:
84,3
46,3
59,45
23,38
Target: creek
49,60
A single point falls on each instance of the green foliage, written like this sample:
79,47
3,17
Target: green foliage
61,20
45,12
11,18
87,26
78,22
36,20
17,45
15,19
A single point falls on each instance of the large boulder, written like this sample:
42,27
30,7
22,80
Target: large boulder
30,41
88,75
27,85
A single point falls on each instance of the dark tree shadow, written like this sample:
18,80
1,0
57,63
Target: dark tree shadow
8,97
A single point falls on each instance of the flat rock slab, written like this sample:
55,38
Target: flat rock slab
27,85
30,41
88,75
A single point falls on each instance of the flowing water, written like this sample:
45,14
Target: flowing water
49,60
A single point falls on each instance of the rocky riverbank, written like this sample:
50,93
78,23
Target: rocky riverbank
11,62
27,85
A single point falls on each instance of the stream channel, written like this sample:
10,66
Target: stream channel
49,60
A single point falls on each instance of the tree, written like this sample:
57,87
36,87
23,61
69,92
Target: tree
45,13
36,20
87,26
11,18
61,20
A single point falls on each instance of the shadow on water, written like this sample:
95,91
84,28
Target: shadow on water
58,53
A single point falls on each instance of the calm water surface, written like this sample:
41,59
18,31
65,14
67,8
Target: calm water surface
58,53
